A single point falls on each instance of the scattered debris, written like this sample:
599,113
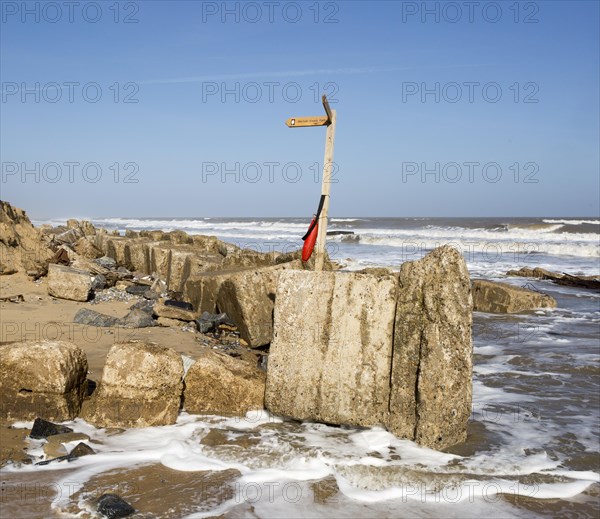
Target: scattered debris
12,299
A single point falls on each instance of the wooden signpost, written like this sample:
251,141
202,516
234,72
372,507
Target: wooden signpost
329,121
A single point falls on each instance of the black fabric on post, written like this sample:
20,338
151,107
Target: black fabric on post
321,202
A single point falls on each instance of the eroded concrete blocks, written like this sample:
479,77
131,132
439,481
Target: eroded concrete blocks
46,378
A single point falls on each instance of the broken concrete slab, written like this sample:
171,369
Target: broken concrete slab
86,248
173,312
431,375
331,352
496,297
589,282
218,384
245,295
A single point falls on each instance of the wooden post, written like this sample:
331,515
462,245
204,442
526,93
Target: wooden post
325,188
329,121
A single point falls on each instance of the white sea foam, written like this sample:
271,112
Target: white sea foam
315,451
489,244
572,222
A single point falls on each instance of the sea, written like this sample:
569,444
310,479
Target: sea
533,447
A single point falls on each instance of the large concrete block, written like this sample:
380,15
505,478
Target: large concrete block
116,249
68,283
181,264
494,297
160,259
100,240
45,379
141,386
332,348
138,254
431,375
247,298
85,247
218,384
367,349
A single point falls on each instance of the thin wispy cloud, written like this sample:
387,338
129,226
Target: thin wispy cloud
283,73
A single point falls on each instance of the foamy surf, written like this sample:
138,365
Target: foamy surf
368,465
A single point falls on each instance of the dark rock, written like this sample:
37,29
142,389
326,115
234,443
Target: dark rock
179,304
43,428
81,449
590,282
136,318
93,318
106,262
144,305
113,507
338,233
263,362
124,273
99,282
111,279
207,321
66,457
151,295
91,387
136,290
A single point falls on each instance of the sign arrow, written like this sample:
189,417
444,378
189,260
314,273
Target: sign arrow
301,122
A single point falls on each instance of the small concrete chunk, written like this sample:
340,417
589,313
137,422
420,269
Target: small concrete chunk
55,448
68,283
173,312
141,386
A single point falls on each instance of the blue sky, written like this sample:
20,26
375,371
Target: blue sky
180,111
